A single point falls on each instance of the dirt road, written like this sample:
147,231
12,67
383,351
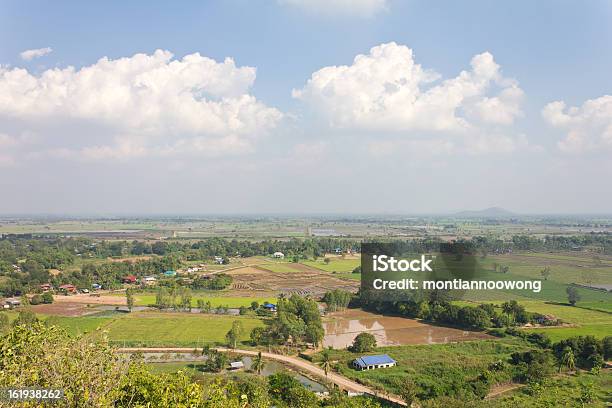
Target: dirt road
303,365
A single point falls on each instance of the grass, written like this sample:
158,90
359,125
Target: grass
588,322
229,301
433,367
560,333
174,329
564,269
80,325
562,391
335,264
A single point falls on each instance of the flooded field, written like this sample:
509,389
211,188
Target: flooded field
342,328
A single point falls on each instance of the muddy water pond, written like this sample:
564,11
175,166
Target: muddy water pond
341,328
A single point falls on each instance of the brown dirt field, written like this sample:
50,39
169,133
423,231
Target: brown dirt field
88,299
63,309
306,281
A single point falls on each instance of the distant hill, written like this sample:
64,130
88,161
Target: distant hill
493,212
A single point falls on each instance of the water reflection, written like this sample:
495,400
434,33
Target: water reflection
389,330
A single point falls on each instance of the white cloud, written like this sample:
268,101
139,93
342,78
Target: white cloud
29,55
144,104
387,90
360,8
589,127
386,93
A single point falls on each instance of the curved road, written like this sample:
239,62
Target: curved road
342,382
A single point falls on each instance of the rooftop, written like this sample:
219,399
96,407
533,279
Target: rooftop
374,360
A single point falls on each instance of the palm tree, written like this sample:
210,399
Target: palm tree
258,363
326,362
567,359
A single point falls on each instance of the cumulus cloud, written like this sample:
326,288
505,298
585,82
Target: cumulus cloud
386,90
360,8
143,104
29,55
588,127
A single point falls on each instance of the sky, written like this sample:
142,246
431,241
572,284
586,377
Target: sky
305,106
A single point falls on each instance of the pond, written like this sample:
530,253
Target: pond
341,328
172,362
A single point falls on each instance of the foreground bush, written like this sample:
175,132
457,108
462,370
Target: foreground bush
93,375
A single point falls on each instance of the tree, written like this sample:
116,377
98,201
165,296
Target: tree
47,298
326,261
129,297
36,300
408,391
572,295
607,347
545,272
233,335
567,359
254,305
364,342
325,361
258,363
161,298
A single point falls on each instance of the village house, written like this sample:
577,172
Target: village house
236,365
373,362
279,255
46,287
130,279
68,288
148,280
270,307
11,303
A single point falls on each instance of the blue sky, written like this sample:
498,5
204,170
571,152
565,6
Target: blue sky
545,51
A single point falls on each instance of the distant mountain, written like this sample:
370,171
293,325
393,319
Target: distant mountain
493,212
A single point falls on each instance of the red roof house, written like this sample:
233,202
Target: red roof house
129,279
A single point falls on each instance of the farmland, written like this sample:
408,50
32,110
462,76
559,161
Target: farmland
441,367
216,300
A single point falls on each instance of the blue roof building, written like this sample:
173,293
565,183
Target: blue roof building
373,362
269,306
170,273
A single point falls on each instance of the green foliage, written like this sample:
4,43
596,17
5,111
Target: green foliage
297,320
47,298
26,317
337,299
288,392
572,295
235,333
37,355
5,325
364,342
587,351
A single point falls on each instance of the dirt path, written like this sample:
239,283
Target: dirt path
498,390
342,382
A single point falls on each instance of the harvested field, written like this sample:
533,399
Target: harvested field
306,281
64,309
106,299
